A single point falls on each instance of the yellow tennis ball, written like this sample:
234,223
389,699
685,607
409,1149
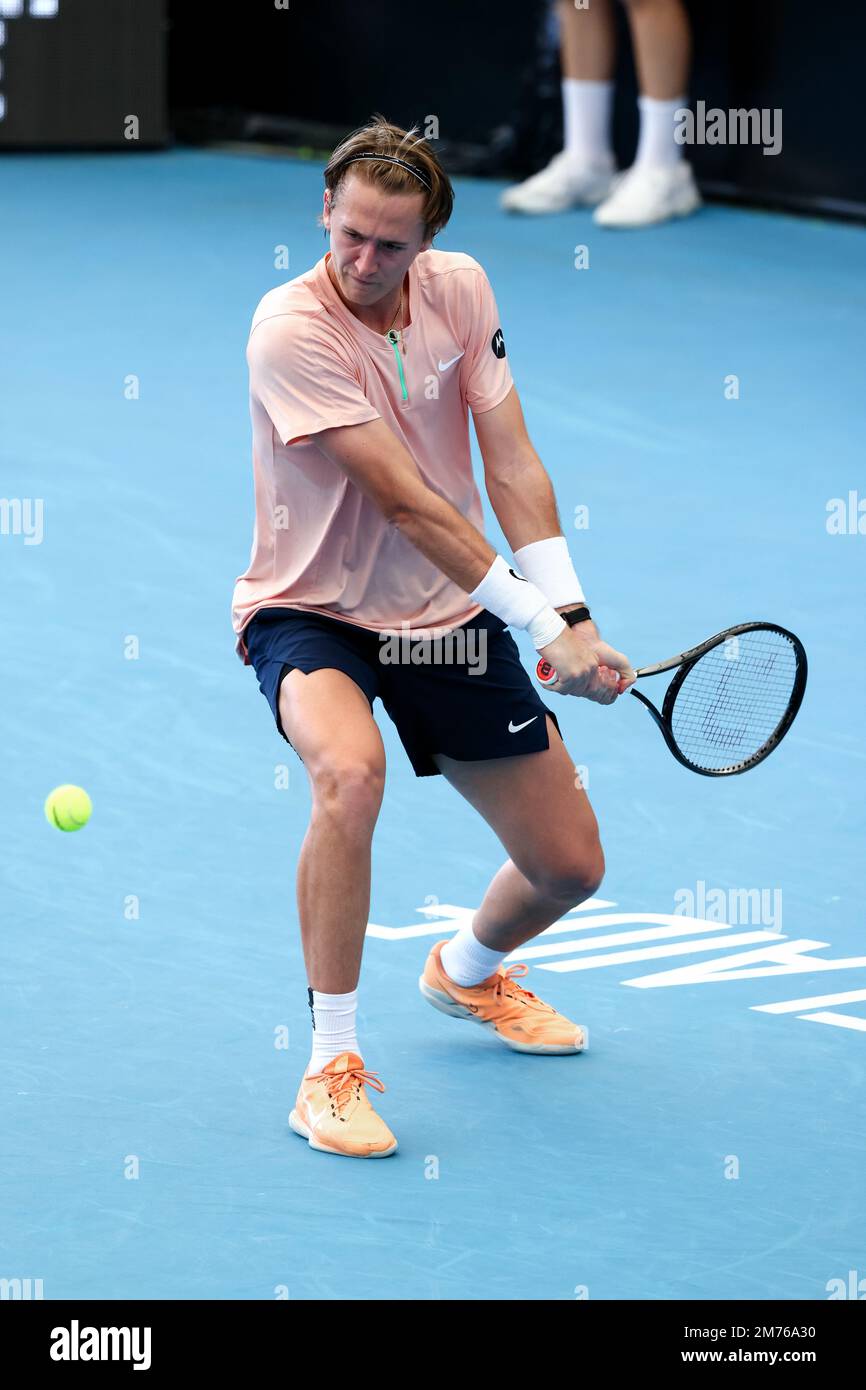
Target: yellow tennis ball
68,807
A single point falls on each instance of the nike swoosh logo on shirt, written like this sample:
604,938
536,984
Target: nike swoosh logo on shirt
515,728
443,366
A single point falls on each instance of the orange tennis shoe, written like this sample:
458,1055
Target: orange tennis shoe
514,1014
332,1111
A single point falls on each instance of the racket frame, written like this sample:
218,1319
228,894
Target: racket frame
687,660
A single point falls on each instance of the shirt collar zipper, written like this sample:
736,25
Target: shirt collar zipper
393,339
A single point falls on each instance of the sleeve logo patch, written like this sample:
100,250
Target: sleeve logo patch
497,342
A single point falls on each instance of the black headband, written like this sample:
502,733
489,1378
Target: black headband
392,159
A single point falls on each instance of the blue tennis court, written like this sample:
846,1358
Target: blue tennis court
695,394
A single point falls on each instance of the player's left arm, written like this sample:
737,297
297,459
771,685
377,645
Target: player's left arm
515,479
521,494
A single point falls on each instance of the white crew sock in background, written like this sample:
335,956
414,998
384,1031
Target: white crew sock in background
656,145
586,109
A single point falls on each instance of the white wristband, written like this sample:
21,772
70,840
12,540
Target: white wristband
517,602
548,564
545,627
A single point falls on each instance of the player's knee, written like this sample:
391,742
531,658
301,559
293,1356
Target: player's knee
350,786
577,878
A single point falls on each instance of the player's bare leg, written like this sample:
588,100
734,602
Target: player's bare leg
326,717
543,818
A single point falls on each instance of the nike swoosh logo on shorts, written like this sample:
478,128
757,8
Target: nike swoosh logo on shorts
443,366
515,728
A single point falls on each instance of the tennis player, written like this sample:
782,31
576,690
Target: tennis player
368,523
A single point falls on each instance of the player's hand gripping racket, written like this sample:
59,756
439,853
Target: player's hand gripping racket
732,699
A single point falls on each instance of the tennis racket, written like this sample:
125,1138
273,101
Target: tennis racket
732,699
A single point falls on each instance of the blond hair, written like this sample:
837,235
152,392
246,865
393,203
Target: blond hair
380,136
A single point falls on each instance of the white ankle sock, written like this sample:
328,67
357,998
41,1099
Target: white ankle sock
586,108
467,961
656,144
333,1027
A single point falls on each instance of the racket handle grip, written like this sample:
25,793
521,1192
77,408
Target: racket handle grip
546,674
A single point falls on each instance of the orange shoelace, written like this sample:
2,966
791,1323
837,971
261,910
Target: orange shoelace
343,1085
516,991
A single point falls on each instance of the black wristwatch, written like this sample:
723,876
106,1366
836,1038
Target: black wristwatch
576,615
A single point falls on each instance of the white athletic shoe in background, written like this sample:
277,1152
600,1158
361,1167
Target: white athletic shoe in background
564,183
645,194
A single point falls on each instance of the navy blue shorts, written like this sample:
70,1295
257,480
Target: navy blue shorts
470,699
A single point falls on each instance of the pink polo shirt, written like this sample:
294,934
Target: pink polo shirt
319,544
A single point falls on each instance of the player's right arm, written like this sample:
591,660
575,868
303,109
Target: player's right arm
382,468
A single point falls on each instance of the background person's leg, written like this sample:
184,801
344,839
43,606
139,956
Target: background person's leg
659,184
587,40
583,171
662,42
588,58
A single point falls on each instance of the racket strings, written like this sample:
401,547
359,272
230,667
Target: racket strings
732,700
